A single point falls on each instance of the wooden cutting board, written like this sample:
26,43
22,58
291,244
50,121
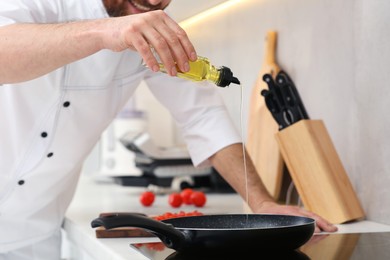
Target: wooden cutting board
101,232
261,143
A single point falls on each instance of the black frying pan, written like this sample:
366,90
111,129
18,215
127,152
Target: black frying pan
243,231
238,254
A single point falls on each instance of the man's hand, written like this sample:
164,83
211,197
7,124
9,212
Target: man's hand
229,163
156,30
271,207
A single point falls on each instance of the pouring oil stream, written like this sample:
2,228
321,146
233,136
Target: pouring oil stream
243,144
201,70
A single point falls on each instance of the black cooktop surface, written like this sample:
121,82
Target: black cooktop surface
355,246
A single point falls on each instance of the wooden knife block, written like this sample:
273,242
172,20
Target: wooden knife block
317,172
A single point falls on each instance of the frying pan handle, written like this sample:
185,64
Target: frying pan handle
170,236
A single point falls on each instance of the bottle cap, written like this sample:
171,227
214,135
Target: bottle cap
226,77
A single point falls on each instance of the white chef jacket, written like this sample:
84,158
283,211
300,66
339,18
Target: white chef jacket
50,124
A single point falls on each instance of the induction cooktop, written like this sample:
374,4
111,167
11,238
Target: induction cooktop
353,246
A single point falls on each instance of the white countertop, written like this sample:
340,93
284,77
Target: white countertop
93,198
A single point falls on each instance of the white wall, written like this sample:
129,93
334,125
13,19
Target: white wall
338,54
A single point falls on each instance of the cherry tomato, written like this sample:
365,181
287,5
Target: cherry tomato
147,198
186,195
175,200
198,198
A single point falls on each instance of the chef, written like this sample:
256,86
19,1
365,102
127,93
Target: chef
67,68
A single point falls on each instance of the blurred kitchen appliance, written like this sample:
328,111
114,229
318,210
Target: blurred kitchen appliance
166,167
114,158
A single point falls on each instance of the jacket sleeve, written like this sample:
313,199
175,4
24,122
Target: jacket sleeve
30,11
199,112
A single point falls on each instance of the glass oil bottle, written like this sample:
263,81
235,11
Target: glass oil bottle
202,69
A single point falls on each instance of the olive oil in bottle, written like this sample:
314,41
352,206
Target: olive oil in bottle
202,69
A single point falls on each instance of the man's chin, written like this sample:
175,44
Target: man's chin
117,9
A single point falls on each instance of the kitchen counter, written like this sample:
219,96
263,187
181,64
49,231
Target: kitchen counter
94,197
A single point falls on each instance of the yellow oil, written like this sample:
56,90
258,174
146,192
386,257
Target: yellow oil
200,70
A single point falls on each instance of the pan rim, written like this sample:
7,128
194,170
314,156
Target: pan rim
310,221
